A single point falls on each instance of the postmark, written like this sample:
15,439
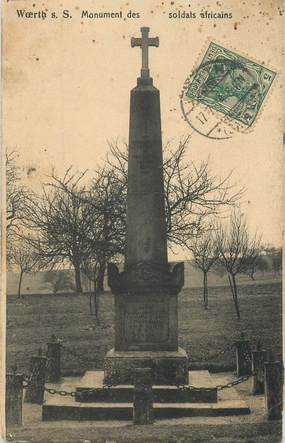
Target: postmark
225,93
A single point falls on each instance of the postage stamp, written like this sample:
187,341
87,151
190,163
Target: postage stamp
224,93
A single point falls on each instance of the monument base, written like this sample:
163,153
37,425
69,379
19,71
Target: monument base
93,401
169,367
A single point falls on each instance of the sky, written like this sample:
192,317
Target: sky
67,84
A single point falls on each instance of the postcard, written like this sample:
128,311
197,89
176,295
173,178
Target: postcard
142,220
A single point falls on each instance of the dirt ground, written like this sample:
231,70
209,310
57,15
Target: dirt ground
157,433
31,322
252,428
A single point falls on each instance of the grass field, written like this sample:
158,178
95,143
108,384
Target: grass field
30,323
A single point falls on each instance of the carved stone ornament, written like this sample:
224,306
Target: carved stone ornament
146,277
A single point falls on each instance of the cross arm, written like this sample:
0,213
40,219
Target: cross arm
153,42
136,42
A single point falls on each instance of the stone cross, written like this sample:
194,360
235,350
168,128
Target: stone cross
144,42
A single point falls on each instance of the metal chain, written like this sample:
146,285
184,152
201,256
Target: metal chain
195,388
236,382
227,348
60,392
228,385
76,354
247,355
28,379
218,387
64,393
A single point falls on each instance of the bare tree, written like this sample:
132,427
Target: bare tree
63,223
237,251
74,220
23,258
105,197
108,197
251,266
192,193
16,193
205,253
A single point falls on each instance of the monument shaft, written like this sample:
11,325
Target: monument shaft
146,225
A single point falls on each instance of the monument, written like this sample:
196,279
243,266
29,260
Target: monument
143,373
146,330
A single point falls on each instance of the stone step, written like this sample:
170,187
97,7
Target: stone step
70,410
57,407
91,390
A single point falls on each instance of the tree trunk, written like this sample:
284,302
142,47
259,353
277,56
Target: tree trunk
252,272
100,278
90,302
20,283
232,280
205,290
96,300
90,296
77,279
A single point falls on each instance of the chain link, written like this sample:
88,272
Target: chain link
64,393
233,383
60,392
218,387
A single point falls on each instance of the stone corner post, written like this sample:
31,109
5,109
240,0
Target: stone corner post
243,356
143,396
14,398
36,384
53,373
273,388
258,357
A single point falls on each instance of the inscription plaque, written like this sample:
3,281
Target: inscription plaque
147,323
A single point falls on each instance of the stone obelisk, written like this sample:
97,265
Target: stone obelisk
146,330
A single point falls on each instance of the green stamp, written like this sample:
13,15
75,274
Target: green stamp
230,84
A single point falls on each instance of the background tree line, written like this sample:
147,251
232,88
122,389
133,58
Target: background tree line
79,219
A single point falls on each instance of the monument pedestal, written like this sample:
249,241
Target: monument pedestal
168,367
146,322
146,326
